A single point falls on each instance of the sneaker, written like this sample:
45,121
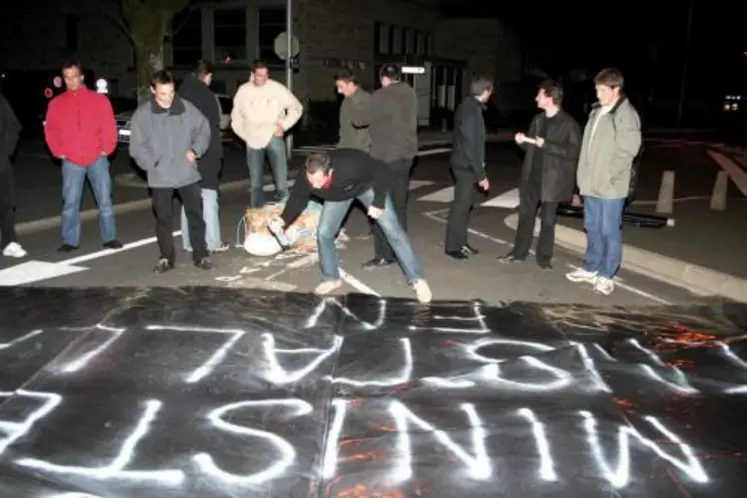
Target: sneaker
14,250
113,244
422,291
604,286
327,286
163,266
222,248
204,264
581,275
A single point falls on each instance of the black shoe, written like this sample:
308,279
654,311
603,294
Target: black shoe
113,244
204,264
377,263
470,250
510,258
67,248
545,265
163,266
458,254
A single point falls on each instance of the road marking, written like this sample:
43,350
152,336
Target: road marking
357,284
737,175
109,252
618,281
443,195
431,152
309,149
33,271
508,200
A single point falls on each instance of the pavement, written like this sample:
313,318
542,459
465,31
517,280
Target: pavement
431,193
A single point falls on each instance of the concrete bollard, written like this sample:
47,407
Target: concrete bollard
665,202
444,125
718,197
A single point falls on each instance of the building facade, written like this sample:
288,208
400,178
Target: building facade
331,34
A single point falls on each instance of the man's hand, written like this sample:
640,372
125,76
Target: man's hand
374,212
276,224
191,156
484,184
519,138
540,141
279,131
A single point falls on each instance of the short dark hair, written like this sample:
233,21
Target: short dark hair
318,161
259,64
552,89
72,63
347,76
161,77
391,71
203,68
611,77
479,84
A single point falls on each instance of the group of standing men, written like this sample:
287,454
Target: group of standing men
558,159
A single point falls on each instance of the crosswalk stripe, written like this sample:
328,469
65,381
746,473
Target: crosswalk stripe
508,200
443,195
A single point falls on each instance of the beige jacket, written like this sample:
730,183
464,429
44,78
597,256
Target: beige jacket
257,110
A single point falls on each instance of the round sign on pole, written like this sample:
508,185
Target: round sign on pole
281,46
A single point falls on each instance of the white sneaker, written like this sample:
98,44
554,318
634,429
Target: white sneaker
422,291
581,275
327,286
14,250
604,286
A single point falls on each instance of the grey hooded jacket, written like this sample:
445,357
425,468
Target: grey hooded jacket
161,138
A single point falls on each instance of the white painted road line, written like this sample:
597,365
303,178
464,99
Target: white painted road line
507,200
34,271
110,252
357,284
735,172
433,215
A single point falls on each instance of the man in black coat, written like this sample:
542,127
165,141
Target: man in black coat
468,165
548,176
196,89
10,129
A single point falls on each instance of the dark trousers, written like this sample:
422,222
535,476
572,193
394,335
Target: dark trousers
530,200
400,171
191,197
7,205
461,208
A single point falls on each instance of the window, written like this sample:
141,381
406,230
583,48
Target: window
428,44
391,42
71,32
405,43
186,38
230,34
418,42
271,24
381,38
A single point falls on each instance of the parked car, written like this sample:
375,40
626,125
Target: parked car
124,118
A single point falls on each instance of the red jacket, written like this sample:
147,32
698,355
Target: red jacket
80,126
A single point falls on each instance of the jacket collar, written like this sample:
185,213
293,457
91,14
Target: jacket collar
617,105
177,107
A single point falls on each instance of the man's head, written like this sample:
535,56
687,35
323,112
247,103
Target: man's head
162,88
260,72
481,88
390,73
72,73
318,168
609,84
550,95
204,70
346,82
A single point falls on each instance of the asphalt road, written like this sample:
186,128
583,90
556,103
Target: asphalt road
480,277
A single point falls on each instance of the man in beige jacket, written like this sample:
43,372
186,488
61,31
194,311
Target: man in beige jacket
263,110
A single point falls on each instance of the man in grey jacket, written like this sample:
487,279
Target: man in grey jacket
352,136
169,134
612,140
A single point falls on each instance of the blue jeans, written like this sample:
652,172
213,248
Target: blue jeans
603,224
211,215
275,154
329,224
73,179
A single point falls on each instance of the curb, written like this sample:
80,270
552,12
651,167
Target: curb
698,279
123,208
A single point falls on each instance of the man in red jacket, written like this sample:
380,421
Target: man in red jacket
81,130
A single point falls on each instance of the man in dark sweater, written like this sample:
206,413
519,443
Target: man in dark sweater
468,166
338,178
548,176
10,129
196,89
392,120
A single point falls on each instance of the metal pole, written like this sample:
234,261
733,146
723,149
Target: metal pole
288,65
684,64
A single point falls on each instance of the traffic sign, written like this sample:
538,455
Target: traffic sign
281,46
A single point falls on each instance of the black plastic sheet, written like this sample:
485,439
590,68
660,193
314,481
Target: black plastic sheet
204,392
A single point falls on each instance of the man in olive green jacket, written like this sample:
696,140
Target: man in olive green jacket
612,140
351,136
